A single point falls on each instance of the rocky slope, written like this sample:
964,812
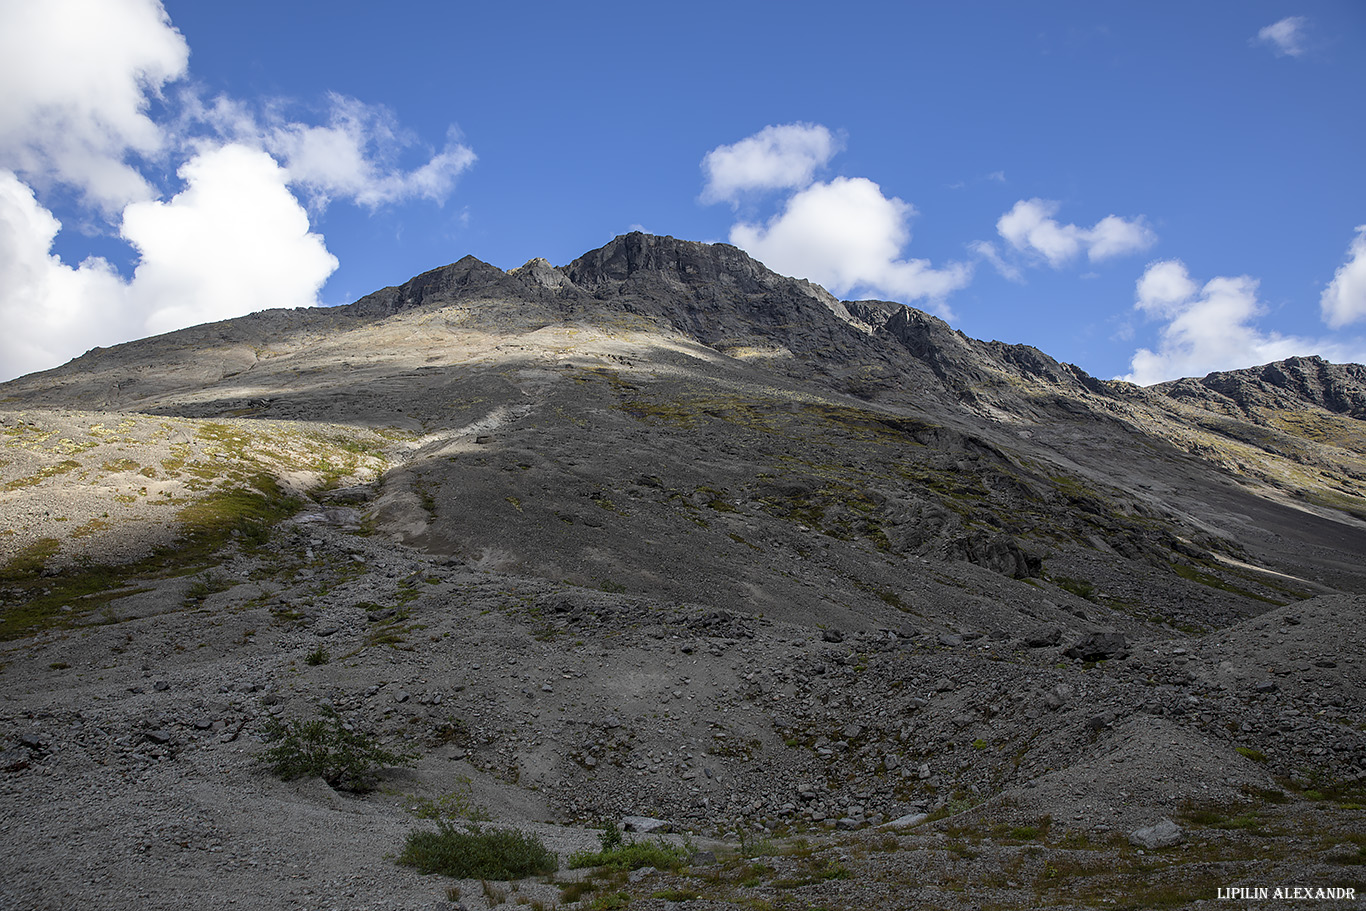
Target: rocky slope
661,532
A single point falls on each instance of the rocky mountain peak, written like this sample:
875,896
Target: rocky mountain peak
436,285
633,255
1287,384
639,260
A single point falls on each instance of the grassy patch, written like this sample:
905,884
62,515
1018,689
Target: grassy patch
241,515
1079,587
633,855
1191,574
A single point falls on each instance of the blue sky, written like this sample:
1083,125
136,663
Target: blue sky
1147,190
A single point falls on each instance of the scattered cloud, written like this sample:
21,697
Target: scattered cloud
1213,327
987,251
998,176
1164,288
80,76
89,106
775,158
844,234
1030,228
354,157
236,208
1285,38
1344,300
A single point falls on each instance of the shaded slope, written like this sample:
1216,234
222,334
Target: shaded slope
717,406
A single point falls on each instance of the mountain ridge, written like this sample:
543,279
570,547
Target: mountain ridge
664,318
663,533
636,264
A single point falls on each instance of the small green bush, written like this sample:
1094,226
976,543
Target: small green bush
318,656
346,760
475,853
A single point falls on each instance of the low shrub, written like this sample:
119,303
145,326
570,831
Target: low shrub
476,853
346,760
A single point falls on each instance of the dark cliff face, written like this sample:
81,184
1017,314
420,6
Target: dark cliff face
645,260
1287,384
441,285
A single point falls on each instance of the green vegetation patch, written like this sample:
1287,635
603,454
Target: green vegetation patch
33,480
1191,574
619,854
325,747
476,853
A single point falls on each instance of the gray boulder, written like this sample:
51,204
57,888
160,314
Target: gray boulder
1099,647
644,824
1163,834
1044,636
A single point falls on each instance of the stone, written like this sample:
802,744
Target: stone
831,634
1099,646
1162,834
1044,636
1057,697
14,760
645,825
908,821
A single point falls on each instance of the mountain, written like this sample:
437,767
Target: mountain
665,453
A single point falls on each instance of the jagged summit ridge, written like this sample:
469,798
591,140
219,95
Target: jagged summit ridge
646,256
713,294
1290,383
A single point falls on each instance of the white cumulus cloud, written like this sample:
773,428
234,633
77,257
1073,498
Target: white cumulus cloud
79,76
1213,327
775,158
1285,37
846,235
1344,300
86,107
1030,228
235,210
50,311
233,241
